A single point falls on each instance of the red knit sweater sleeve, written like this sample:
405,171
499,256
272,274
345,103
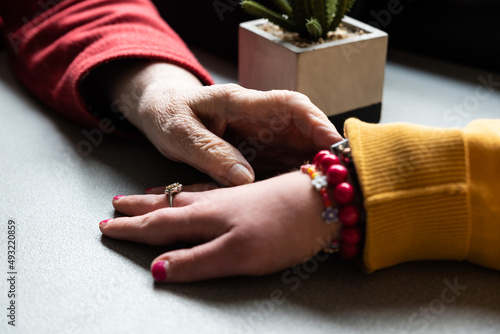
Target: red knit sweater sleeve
54,44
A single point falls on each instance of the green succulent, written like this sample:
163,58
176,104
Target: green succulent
312,19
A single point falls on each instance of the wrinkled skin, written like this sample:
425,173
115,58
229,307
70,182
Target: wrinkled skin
208,126
225,131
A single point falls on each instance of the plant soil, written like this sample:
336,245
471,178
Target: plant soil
342,32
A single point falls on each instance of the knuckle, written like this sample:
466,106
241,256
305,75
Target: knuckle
231,87
148,231
226,91
232,92
287,96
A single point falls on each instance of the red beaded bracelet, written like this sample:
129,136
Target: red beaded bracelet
336,172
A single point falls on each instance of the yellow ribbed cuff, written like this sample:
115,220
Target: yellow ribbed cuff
414,182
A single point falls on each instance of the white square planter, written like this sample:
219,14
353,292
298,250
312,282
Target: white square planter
338,76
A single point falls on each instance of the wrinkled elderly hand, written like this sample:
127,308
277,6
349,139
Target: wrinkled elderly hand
224,130
253,229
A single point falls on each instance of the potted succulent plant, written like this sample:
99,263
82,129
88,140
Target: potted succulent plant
343,77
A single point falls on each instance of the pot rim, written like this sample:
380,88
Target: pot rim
372,33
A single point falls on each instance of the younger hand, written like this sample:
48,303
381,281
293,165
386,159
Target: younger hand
253,229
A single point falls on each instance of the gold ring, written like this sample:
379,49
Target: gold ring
171,190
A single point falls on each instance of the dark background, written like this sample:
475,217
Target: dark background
462,31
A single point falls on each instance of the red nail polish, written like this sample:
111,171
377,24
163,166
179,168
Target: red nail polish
159,271
104,222
118,197
149,189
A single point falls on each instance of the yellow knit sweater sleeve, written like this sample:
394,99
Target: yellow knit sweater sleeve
429,193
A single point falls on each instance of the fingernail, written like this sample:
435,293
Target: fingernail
159,271
238,174
104,222
148,189
118,197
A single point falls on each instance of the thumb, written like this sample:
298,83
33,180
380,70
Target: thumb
205,261
214,156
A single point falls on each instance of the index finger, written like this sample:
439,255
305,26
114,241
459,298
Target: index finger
278,110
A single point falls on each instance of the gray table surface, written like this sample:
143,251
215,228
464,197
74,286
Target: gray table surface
72,280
